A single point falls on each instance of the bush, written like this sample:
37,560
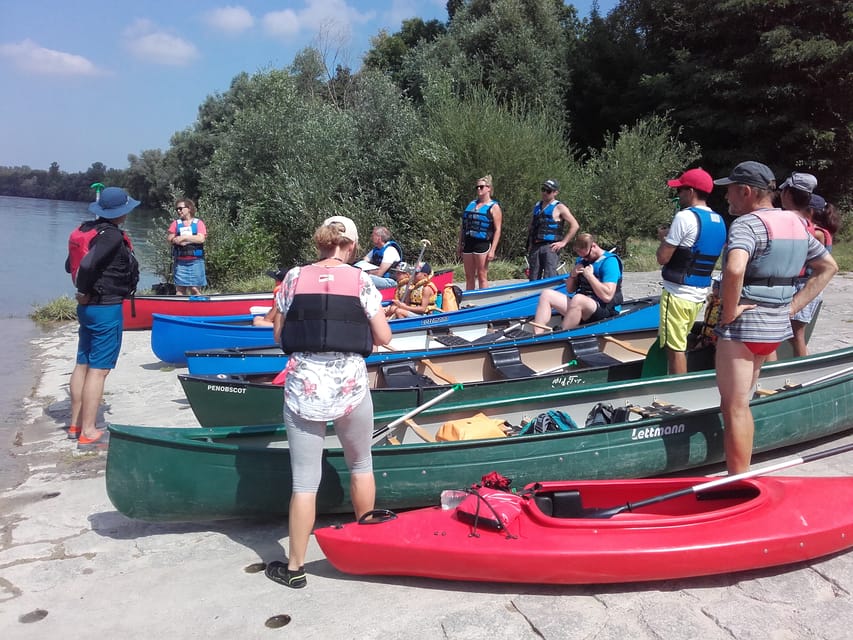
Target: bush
61,309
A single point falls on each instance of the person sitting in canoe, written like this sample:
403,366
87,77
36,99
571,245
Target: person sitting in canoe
596,281
416,299
268,319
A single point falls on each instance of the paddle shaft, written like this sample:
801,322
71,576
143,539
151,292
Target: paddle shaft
697,488
424,244
426,405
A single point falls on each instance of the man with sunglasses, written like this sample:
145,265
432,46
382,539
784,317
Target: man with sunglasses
688,250
596,281
545,237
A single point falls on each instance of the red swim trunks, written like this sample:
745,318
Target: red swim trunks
762,348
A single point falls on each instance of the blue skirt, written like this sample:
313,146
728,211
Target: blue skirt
190,273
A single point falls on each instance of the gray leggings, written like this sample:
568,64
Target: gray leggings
307,437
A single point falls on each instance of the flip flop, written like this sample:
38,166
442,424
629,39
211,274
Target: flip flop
98,444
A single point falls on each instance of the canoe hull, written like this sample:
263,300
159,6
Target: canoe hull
754,524
138,312
220,400
644,315
173,335
158,473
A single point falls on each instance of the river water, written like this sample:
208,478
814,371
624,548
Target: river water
32,272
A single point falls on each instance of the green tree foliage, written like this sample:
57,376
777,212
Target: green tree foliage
467,138
147,177
768,80
286,161
621,191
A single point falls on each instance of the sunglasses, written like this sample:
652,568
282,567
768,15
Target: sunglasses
547,190
181,208
481,186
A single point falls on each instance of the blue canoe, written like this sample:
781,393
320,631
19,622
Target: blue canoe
637,315
173,336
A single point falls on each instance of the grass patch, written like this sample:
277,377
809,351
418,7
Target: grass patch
60,309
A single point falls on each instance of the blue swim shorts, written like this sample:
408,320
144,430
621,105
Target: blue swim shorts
100,333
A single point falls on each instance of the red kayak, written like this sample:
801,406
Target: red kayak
556,533
137,312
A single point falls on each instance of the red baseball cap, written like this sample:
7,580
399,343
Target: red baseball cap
698,179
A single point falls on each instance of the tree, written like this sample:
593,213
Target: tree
621,190
765,80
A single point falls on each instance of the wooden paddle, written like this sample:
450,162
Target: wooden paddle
411,414
704,486
439,372
625,345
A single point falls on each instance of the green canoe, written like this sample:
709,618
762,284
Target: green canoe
231,400
179,474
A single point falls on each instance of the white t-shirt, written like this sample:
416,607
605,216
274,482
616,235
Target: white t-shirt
391,255
683,233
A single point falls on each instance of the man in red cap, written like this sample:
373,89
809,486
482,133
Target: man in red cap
689,249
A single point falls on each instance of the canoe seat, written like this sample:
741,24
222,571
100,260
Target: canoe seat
450,340
403,374
560,504
507,362
658,408
589,354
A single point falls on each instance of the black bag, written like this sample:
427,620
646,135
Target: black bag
603,413
164,289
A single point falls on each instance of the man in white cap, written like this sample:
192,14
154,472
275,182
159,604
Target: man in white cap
758,295
105,272
688,250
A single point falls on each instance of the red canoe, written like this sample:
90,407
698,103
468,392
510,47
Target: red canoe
137,312
546,539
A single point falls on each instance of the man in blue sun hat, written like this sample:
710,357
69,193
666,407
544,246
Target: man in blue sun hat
105,272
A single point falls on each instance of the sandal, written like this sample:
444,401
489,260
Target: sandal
95,444
293,578
73,432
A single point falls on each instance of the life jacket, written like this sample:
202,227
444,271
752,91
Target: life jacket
693,265
450,297
376,254
120,277
770,278
812,228
477,220
191,250
585,288
415,294
545,228
326,313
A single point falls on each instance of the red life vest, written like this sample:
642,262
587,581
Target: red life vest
80,241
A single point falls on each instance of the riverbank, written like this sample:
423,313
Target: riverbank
72,567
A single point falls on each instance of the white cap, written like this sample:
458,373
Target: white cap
350,232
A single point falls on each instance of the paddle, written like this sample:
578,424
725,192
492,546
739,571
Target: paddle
785,464
656,362
424,244
559,367
426,405
625,345
496,335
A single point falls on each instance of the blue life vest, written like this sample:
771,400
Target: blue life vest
376,254
584,287
545,228
191,250
477,220
693,265
326,313
770,277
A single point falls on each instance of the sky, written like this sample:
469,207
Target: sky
87,81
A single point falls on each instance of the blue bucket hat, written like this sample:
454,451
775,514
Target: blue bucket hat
113,203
